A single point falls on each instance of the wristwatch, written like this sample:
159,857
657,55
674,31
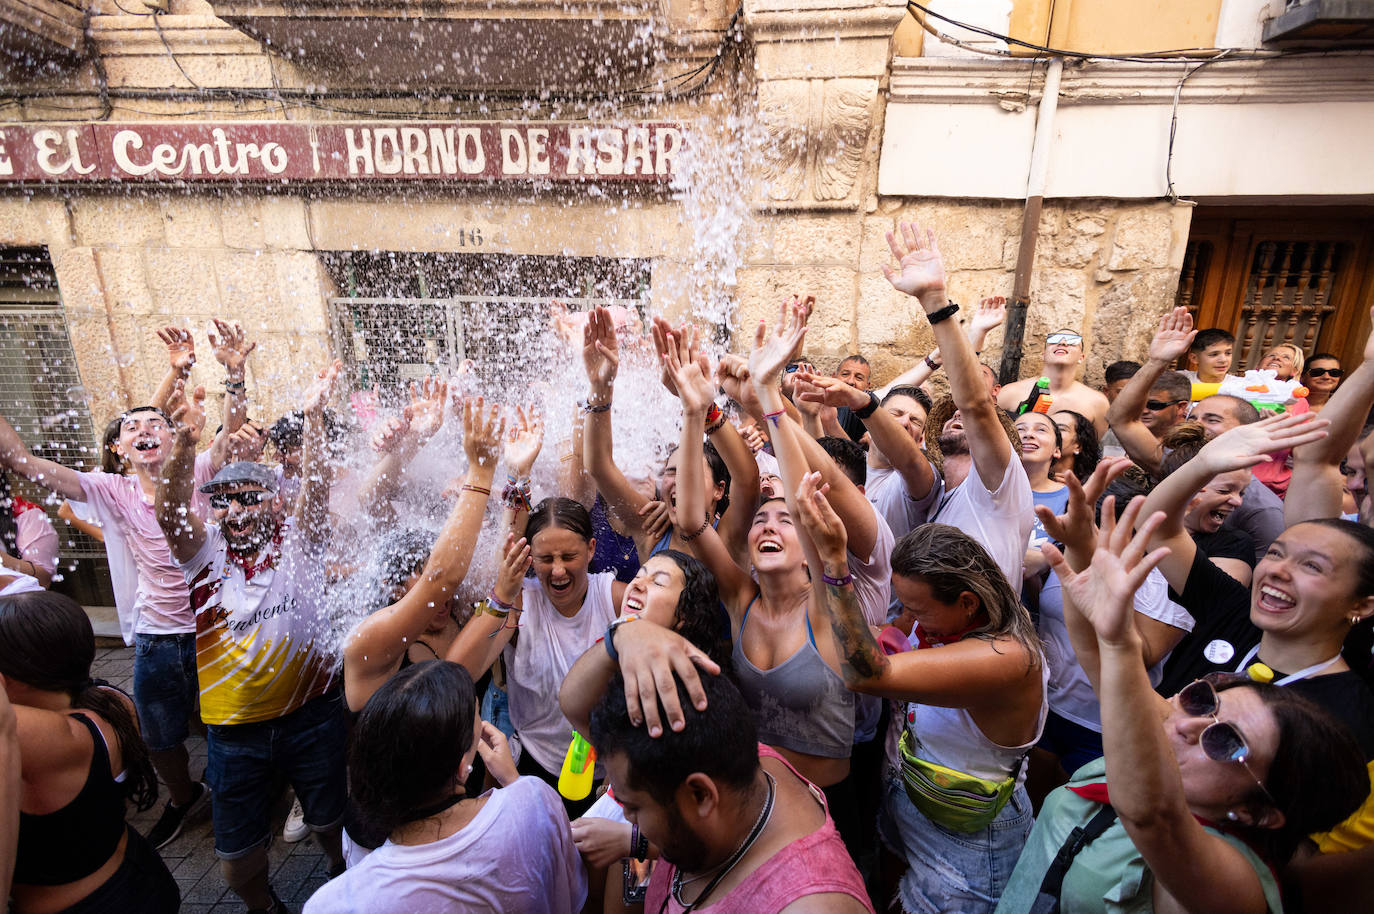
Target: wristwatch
609,638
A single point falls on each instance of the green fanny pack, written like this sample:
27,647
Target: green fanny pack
954,799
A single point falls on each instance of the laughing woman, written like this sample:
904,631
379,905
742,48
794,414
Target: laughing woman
1233,551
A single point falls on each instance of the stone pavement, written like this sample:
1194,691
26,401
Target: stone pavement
297,869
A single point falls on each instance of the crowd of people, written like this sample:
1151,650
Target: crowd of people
939,646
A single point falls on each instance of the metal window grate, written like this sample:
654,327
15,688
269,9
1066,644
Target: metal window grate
40,388
1287,296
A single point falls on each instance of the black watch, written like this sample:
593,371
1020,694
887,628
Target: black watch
868,410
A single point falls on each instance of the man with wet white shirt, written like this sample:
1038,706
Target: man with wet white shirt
268,693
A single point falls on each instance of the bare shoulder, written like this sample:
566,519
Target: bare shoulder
827,903
1012,394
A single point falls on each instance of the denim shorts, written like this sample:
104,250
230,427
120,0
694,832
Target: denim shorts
307,746
165,687
952,872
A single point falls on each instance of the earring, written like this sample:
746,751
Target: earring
467,772
1231,815
1355,619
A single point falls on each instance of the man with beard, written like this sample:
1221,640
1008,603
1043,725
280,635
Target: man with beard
985,490
738,829
268,695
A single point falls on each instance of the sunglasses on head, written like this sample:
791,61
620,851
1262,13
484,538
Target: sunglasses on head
1068,339
1323,372
220,502
1221,742
1155,406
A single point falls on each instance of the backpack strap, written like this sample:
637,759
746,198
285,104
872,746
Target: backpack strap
1047,900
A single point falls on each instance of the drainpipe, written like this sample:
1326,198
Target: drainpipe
1030,224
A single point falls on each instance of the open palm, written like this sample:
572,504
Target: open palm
920,268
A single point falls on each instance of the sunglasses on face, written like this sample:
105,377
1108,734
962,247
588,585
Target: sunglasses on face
1067,339
1221,742
1155,406
250,499
1337,373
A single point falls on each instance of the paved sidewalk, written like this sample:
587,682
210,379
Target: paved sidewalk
297,869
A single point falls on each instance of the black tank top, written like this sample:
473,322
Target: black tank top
78,839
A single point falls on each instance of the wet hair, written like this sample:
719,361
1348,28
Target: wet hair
720,473
848,456
1181,444
1175,384
697,616
46,642
1310,740
1123,370
562,514
1210,337
915,393
403,555
111,462
409,742
1089,445
9,524
720,742
952,562
146,409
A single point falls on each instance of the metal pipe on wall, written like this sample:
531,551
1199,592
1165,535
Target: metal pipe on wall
1010,369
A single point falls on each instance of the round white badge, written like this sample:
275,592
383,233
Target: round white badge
1219,651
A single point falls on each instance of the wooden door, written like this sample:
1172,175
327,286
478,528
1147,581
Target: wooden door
1269,275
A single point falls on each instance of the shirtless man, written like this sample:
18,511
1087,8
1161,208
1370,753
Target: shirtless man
1063,362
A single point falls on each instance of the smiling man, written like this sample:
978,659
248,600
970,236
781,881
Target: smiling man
1063,363
268,694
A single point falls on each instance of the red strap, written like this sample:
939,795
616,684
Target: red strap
1097,793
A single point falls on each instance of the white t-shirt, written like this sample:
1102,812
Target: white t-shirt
260,631
873,575
1000,521
1071,694
36,540
516,856
607,807
548,645
886,489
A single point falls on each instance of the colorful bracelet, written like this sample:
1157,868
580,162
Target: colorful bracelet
713,427
773,417
712,413
837,582
488,606
494,600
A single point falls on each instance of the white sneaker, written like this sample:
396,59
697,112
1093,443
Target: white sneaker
295,829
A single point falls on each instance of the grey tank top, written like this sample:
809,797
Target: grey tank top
801,704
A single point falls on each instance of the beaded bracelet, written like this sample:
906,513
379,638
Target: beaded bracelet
688,537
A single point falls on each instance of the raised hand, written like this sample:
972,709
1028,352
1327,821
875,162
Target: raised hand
390,435
181,348
188,413
773,351
660,330
753,436
656,519
246,443
649,656
1173,338
322,390
991,314
515,561
231,346
820,521
482,431
732,373
1104,593
920,270
600,348
524,438
688,368
817,388
424,414
1249,445
1076,528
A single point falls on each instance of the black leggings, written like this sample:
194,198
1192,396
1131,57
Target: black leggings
141,885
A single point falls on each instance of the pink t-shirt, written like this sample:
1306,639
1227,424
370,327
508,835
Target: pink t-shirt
816,864
36,539
160,603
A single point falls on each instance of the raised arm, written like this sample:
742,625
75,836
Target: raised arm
921,274
991,314
690,375
1197,870
398,441
232,348
1170,342
1317,484
498,617
312,509
181,358
884,432
185,532
601,357
52,476
377,643
1237,449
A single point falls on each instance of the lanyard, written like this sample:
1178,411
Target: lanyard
1312,670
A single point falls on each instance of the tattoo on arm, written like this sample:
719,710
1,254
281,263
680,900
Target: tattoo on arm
864,660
